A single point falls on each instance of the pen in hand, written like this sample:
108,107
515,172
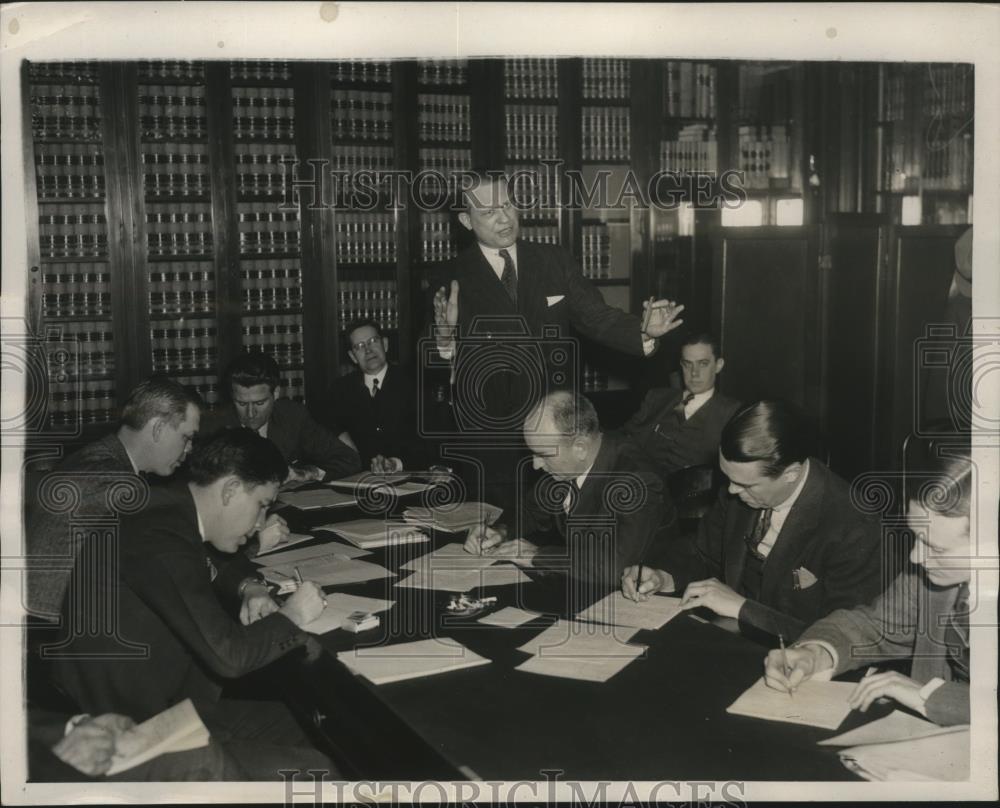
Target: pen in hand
784,663
298,577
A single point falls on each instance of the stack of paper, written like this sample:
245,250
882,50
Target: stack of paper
571,650
617,610
176,729
409,660
376,532
339,605
317,498
453,518
818,704
327,570
289,541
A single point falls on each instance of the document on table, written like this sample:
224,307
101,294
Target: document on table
370,479
817,704
326,549
393,663
176,729
376,532
944,756
452,557
339,605
897,726
617,610
587,651
317,498
509,617
328,570
453,518
463,580
291,541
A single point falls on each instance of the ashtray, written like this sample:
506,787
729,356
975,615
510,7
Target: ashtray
466,607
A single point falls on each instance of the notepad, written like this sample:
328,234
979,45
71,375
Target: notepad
509,617
339,605
463,580
176,729
368,533
410,660
617,610
317,498
328,570
944,756
817,704
315,551
290,541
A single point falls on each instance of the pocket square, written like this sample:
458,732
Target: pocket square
803,578
553,299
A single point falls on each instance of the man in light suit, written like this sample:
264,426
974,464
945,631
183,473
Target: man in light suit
311,451
678,428
784,545
503,320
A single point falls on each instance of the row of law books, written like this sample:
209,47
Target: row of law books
695,150
689,89
270,284
764,154
596,261
443,117
375,300
67,170
448,72
81,350
85,72
435,237
540,233
447,162
361,114
366,237
278,335
530,78
80,403
77,290
531,132
606,78
182,291
534,187
361,71
606,133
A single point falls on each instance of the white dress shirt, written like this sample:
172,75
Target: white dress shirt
369,380
696,403
779,513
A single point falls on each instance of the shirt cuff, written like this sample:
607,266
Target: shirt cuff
446,352
925,693
648,346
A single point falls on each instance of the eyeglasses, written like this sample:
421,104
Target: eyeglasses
360,346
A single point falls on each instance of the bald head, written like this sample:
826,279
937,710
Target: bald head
563,434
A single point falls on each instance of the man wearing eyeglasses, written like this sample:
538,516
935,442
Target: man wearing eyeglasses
784,545
374,406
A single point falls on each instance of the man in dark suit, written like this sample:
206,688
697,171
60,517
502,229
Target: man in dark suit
504,319
375,406
602,501
681,428
784,545
169,592
312,451
158,422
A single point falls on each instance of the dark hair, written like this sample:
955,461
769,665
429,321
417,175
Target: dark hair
572,414
157,397
240,451
770,431
942,480
251,369
361,322
702,338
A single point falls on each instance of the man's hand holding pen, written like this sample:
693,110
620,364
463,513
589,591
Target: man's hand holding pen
787,668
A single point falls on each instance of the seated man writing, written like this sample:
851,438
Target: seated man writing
923,615
784,545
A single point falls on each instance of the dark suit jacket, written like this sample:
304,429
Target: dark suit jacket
383,425
167,602
908,620
298,436
823,533
672,444
87,474
621,516
508,356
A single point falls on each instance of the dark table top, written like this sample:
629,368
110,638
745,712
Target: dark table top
662,717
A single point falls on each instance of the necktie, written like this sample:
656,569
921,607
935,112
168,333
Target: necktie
760,528
509,276
374,387
572,494
679,409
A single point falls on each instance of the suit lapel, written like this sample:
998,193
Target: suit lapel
530,303
795,534
485,290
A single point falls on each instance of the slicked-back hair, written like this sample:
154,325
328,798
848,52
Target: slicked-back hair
361,322
943,480
771,431
251,369
573,415
702,338
239,451
157,397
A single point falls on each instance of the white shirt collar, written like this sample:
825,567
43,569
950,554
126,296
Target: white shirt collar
492,255
380,376
697,402
263,430
786,506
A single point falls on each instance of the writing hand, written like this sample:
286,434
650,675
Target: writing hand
715,595
803,664
662,317
305,604
257,603
483,538
653,580
518,550
88,748
891,684
386,465
274,532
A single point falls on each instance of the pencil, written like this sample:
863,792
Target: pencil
784,661
298,576
638,579
648,314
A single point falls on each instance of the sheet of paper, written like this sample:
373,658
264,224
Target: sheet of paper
932,758
317,498
593,669
175,729
454,518
450,556
569,638
291,541
897,726
617,610
393,663
330,548
444,580
339,605
818,704
376,532
329,571
369,479
509,617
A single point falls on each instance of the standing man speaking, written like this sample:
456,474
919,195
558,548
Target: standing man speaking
504,323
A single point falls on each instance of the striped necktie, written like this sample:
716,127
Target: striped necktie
509,276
